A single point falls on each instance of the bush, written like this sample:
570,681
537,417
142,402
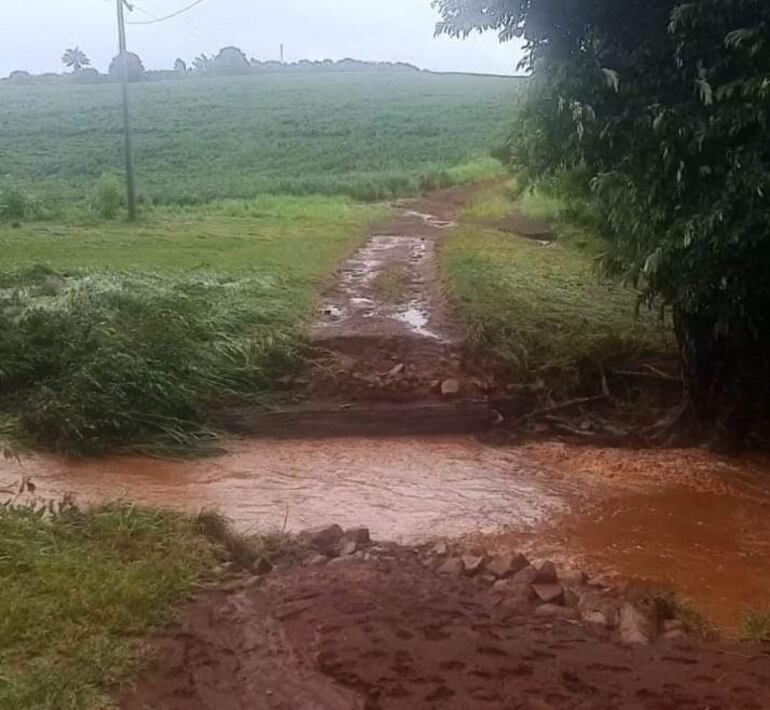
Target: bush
14,204
108,197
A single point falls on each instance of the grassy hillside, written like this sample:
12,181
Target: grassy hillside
367,136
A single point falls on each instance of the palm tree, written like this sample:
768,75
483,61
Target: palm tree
75,58
202,64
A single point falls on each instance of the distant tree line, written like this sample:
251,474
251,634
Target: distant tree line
229,61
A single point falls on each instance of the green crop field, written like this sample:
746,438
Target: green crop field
368,136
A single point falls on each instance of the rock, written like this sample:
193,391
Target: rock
596,607
324,538
348,547
360,535
674,625
556,611
512,588
472,564
450,387
516,605
571,598
441,549
501,586
600,618
316,560
397,370
528,575
477,551
638,623
549,593
573,578
547,574
453,567
488,578
508,564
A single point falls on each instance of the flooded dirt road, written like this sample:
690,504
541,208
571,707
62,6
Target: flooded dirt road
681,519
404,489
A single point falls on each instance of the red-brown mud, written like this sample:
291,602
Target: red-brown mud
389,634
397,343
685,520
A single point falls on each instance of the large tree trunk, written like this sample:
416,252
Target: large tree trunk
724,381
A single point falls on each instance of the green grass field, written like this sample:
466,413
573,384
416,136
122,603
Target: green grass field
200,139
542,311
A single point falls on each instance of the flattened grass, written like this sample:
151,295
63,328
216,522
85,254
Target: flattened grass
80,590
119,335
541,310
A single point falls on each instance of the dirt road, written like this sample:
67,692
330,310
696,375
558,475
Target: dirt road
389,634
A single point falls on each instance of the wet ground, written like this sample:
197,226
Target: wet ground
389,634
383,331
685,519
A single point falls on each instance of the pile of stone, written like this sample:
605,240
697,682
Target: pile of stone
517,585
523,587
331,542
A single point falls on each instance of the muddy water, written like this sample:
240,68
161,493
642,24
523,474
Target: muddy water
687,520
403,489
682,519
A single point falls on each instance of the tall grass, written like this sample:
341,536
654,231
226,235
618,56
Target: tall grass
541,311
107,359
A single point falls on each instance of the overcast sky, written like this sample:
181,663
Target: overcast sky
34,33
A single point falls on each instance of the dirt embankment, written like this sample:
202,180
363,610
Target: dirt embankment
388,627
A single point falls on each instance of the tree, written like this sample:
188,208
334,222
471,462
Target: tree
20,76
180,67
665,108
134,63
75,59
230,60
202,64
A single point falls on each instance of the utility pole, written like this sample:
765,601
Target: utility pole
281,54
123,54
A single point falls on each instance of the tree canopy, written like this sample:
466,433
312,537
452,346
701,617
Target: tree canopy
134,65
75,58
230,60
664,107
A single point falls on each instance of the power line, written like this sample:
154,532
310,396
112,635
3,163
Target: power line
134,6
166,17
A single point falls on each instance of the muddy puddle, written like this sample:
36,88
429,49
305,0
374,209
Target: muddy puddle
359,304
681,519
